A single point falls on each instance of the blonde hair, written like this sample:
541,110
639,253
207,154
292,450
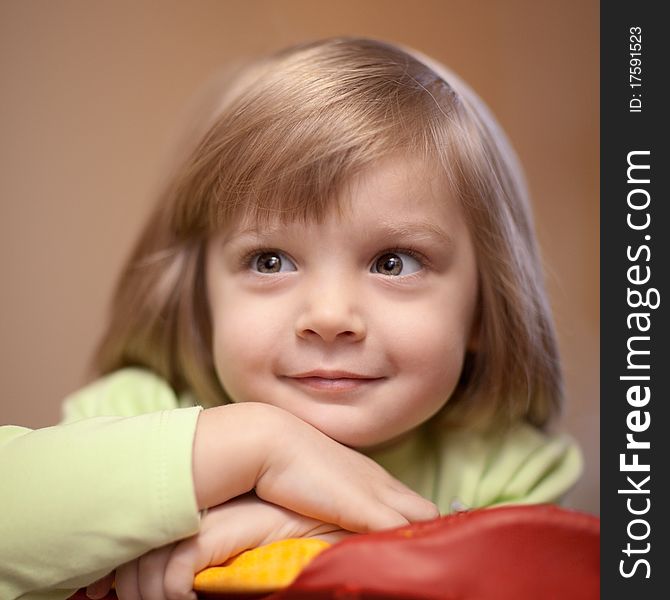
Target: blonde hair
286,134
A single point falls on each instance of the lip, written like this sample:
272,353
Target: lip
333,381
335,374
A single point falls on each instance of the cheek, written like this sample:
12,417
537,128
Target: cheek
242,351
427,335
436,353
429,349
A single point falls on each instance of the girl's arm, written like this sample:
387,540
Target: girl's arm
78,499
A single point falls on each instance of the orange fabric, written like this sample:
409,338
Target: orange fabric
264,569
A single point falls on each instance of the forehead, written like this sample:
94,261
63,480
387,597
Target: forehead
401,182
400,192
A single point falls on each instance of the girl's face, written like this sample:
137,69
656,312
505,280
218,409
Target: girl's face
358,325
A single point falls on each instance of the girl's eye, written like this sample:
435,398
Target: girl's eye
396,263
272,262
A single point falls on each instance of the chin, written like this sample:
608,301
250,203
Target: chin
352,426
349,436
356,442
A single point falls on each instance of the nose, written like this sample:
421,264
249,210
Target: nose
330,313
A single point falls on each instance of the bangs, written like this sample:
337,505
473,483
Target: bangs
295,131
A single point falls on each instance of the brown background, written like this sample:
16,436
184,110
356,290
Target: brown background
92,93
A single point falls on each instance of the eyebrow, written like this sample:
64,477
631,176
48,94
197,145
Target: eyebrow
414,229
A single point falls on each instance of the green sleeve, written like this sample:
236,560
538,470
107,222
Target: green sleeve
519,466
83,497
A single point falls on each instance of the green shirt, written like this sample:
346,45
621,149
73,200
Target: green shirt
114,480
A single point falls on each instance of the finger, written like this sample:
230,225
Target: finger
370,515
406,501
354,508
126,582
194,554
99,589
180,570
350,505
241,533
412,506
151,572
332,537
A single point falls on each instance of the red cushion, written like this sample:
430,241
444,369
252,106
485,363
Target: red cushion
508,553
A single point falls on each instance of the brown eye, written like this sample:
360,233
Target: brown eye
391,264
273,262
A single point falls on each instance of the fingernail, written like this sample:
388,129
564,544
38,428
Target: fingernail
94,594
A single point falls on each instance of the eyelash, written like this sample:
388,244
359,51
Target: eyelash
246,258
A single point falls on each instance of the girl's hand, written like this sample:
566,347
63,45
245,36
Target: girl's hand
313,475
226,530
240,447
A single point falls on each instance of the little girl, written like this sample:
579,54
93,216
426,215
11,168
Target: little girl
341,268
